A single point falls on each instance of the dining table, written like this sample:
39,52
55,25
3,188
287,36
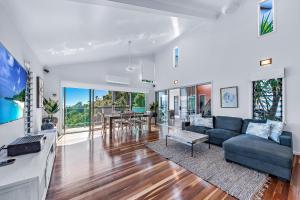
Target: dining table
111,117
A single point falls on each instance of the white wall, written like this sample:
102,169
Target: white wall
228,54
12,40
95,74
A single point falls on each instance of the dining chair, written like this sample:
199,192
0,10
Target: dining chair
126,122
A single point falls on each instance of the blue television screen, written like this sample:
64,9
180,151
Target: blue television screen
13,78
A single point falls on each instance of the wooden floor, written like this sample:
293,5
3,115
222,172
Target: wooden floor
123,168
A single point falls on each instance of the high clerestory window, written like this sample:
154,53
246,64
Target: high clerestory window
268,99
176,57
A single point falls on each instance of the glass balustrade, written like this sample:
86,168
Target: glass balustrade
84,108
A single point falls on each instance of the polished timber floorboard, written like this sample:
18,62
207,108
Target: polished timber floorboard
124,168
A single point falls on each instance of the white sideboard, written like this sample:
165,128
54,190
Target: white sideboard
28,178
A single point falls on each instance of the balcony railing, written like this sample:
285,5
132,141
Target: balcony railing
79,119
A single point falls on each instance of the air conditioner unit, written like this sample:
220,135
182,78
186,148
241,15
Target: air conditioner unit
148,81
117,80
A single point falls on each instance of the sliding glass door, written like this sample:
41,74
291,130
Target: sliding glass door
102,103
187,102
191,98
121,101
174,104
77,110
183,104
163,107
138,102
84,108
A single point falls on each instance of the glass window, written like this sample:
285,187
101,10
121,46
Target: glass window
267,99
183,104
162,106
77,109
266,17
138,104
102,98
122,101
191,100
176,57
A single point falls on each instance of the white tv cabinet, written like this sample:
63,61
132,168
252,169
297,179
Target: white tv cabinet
28,178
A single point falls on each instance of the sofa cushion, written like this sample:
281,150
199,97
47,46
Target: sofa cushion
221,133
262,130
194,118
229,123
286,139
261,149
197,129
276,130
206,122
247,121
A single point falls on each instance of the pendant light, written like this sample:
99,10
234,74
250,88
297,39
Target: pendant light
130,66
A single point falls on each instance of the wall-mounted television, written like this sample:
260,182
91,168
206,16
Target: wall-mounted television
13,79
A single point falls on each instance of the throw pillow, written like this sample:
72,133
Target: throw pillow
259,129
276,130
193,119
206,122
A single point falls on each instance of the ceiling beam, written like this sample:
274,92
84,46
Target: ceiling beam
166,7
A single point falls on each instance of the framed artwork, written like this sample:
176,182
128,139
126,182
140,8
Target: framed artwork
40,92
229,97
266,17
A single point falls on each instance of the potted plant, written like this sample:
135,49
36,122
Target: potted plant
51,107
153,109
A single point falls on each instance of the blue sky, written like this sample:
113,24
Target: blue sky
75,95
13,76
267,4
265,9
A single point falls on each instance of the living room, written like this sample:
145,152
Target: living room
150,99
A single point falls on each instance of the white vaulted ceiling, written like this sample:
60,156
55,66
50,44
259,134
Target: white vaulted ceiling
75,31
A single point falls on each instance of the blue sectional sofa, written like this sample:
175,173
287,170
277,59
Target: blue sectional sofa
261,154
224,128
249,150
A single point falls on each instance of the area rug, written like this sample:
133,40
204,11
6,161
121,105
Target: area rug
210,165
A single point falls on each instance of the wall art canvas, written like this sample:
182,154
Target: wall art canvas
266,17
229,97
13,81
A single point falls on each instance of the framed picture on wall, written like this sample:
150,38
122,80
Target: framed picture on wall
40,92
229,97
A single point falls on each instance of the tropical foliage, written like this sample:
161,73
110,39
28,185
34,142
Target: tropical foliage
18,97
153,107
106,100
138,99
267,99
121,100
266,22
50,106
266,25
78,115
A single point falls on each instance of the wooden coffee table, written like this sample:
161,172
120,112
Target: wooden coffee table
186,137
